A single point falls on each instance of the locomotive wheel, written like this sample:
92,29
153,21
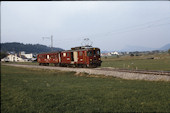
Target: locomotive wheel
59,64
95,66
84,65
55,64
80,65
74,65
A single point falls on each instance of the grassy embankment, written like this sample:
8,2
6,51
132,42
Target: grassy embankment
160,62
24,63
47,91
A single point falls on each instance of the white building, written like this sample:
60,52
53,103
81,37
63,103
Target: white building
21,57
14,58
110,54
29,56
114,53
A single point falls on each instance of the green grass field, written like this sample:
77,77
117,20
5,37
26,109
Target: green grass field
48,91
161,62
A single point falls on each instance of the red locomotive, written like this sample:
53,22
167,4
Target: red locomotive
76,57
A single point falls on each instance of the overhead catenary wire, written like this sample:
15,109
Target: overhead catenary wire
149,24
137,29
133,28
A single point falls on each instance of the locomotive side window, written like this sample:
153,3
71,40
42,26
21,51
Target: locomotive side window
89,53
44,56
51,56
80,53
64,54
48,56
98,52
40,56
68,54
55,56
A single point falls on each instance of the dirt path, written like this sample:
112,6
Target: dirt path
100,71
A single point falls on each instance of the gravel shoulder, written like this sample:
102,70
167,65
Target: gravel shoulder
99,71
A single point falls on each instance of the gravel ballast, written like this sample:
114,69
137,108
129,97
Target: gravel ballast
98,71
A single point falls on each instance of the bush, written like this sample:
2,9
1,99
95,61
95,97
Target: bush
3,55
132,55
169,51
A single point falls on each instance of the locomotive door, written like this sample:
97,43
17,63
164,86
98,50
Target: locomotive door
72,57
75,56
59,57
84,57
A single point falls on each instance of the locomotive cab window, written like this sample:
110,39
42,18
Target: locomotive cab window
94,52
89,53
98,52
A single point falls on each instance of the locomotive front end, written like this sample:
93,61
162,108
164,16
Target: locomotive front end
94,58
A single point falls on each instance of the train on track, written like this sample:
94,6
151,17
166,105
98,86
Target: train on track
83,56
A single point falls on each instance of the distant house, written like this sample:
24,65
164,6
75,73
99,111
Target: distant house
104,54
29,56
14,58
110,54
21,57
114,53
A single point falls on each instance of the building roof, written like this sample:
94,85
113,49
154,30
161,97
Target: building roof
23,57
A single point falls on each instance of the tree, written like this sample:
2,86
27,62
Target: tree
132,55
3,55
169,51
28,48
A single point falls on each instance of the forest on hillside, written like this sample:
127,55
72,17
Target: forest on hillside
28,48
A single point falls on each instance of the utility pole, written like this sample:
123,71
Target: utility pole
51,41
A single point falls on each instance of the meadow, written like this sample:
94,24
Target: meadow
159,62
47,91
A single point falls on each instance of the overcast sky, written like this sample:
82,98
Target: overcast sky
110,25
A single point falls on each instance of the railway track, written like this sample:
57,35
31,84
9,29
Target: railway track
108,71
138,71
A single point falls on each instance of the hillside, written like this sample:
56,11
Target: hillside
130,48
28,48
165,47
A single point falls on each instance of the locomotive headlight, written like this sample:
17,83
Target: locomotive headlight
90,59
